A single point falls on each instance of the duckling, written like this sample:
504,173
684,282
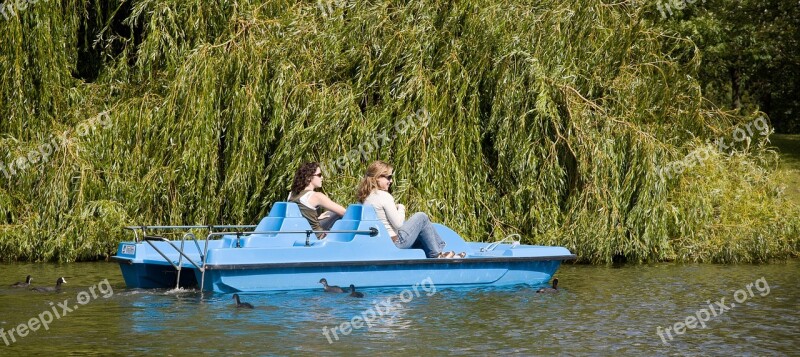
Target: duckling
246,305
354,293
59,281
553,290
21,284
330,288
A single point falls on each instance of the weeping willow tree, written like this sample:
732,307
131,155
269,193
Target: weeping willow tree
550,119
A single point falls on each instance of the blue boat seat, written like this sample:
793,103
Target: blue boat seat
284,216
357,217
293,220
343,225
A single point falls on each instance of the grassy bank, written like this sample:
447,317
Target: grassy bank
554,120
789,148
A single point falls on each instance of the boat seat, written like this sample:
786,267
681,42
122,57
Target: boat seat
357,217
284,216
343,224
268,223
350,221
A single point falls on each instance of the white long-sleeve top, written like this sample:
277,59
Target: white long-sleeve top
388,212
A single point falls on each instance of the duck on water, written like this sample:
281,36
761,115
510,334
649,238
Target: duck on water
20,284
330,288
240,304
553,290
59,281
354,293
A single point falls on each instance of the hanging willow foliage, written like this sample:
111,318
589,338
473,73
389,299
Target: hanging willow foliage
551,119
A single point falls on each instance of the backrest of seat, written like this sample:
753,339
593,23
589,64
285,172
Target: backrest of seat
269,223
350,221
356,217
284,216
293,219
369,219
343,224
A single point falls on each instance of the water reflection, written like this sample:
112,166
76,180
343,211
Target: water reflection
600,310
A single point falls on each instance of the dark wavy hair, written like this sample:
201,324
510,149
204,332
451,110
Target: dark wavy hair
303,176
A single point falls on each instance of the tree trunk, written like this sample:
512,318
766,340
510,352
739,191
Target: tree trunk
736,95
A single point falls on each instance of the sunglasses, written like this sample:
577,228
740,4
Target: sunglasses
319,174
388,177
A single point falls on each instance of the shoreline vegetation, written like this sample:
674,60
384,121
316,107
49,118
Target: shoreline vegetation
789,148
552,120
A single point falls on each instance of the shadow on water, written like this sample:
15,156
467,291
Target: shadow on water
599,310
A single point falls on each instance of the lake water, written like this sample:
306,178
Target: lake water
599,311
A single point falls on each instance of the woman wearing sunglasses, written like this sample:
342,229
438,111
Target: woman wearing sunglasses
308,178
417,231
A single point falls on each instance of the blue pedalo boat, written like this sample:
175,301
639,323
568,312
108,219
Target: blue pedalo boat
283,253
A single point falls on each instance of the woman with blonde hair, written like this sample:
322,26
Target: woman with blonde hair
417,231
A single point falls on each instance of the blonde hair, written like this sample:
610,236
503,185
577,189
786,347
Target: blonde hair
370,181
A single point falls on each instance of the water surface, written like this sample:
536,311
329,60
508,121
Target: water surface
600,310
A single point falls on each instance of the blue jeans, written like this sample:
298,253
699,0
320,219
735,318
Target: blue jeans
327,222
418,232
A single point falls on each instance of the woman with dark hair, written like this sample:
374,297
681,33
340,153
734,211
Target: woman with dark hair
417,231
308,178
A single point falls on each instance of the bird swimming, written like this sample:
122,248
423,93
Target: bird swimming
59,281
355,293
330,288
553,290
246,305
20,284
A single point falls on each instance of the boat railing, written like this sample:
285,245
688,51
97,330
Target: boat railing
211,228
373,231
514,242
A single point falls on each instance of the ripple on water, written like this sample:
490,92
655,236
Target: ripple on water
600,310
